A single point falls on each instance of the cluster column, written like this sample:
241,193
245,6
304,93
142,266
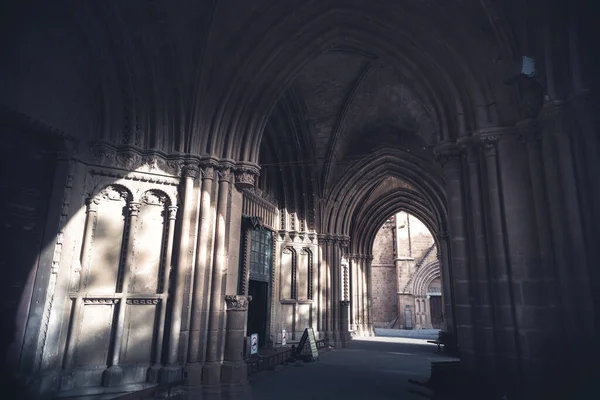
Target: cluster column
211,372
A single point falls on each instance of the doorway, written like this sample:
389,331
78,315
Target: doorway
435,305
257,310
260,258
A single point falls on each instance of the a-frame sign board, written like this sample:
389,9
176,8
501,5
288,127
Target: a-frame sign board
308,344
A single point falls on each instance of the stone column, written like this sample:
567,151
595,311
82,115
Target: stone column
322,319
172,371
211,373
344,335
328,288
481,301
570,253
446,273
90,221
234,371
448,154
202,279
336,290
369,285
362,294
154,372
114,374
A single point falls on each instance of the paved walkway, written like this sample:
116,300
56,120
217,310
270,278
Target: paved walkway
370,368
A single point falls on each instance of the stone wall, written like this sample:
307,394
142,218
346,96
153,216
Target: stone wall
402,275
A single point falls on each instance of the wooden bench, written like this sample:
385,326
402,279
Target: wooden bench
444,339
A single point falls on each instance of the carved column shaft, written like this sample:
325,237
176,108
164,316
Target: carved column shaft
503,296
567,230
446,273
134,209
234,369
449,155
90,222
178,280
481,302
202,278
165,286
215,341
369,287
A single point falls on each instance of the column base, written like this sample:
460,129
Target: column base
211,373
234,373
112,376
194,374
153,375
170,373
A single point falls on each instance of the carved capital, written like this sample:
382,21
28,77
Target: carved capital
470,146
173,212
490,145
190,170
224,173
345,303
134,209
237,302
448,154
442,235
92,204
207,170
245,176
553,118
528,131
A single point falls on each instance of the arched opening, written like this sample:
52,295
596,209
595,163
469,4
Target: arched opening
406,276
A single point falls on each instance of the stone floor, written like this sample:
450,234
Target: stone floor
370,368
429,334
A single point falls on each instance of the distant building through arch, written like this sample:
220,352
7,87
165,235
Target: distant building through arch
407,289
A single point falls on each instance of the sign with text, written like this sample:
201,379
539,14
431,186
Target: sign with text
308,343
254,343
283,337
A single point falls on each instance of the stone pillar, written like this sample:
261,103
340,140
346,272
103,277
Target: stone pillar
328,288
446,274
344,334
153,373
234,370
90,221
481,302
172,371
202,279
211,372
321,298
114,374
573,267
369,285
449,156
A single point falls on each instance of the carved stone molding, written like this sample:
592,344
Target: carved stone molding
100,301
143,301
172,212
224,173
114,193
190,170
237,302
245,175
528,131
154,198
134,209
447,154
553,118
207,170
443,235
